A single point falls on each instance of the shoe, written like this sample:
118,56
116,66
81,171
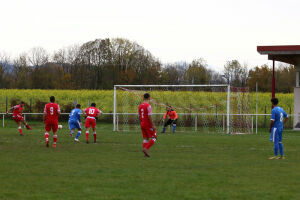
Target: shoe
21,134
76,140
281,157
95,142
145,151
54,145
47,143
87,142
273,158
71,134
28,127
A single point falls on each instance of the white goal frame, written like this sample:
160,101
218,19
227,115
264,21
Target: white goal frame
151,86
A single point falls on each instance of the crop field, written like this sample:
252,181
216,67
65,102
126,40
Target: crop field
35,99
184,165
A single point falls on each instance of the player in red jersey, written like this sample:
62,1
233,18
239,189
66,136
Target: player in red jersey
92,113
50,118
147,125
17,116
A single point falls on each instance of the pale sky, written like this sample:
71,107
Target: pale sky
216,30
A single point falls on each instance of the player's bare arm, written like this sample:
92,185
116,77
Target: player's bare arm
285,120
271,125
151,121
44,117
9,110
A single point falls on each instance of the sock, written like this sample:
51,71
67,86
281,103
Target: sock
47,136
280,148
150,143
145,142
95,136
20,130
174,127
54,139
78,134
87,135
164,129
276,148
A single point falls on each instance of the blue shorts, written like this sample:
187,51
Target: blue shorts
276,135
74,125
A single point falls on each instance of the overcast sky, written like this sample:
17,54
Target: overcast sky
216,30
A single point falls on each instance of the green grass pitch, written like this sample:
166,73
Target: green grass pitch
182,166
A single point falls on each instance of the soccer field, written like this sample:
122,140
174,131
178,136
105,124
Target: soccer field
182,166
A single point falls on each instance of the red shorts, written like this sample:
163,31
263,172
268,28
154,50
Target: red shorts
148,132
90,122
18,118
51,125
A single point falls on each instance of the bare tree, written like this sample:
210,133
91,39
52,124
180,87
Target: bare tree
38,56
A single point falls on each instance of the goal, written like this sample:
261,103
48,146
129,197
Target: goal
200,108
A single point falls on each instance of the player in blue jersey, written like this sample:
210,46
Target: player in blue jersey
75,121
278,120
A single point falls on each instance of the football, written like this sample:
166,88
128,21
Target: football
60,126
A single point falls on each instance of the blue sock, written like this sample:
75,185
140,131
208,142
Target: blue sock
281,148
276,148
164,129
174,127
78,134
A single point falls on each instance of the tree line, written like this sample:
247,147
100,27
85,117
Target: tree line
102,63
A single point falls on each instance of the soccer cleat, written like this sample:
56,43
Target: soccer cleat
28,127
273,158
47,143
281,157
76,140
87,142
145,151
54,145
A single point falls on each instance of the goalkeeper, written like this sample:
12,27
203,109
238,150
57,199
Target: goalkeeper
172,119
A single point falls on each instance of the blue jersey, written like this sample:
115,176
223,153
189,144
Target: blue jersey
75,115
278,114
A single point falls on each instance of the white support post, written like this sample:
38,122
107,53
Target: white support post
117,122
115,107
256,107
228,108
3,120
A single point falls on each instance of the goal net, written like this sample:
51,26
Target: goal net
201,108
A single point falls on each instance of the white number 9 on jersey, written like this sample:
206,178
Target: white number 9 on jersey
51,111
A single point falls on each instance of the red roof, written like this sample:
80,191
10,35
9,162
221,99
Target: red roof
287,53
279,48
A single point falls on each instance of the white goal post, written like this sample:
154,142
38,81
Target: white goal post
132,94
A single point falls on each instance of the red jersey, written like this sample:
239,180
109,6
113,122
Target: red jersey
92,112
52,110
17,110
144,111
172,114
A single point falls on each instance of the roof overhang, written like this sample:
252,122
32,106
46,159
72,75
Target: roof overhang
288,53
